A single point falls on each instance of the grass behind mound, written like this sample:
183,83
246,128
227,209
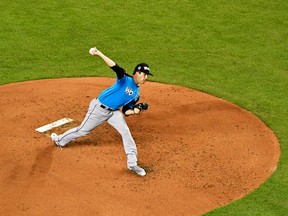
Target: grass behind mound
234,50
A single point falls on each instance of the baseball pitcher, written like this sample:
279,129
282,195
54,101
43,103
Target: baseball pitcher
124,95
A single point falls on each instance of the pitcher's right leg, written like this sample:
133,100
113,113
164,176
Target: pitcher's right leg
94,117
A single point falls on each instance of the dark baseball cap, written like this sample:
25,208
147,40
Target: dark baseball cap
143,67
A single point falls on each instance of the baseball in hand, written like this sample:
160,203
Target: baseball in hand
92,51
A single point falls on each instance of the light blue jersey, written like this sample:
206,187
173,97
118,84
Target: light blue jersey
124,92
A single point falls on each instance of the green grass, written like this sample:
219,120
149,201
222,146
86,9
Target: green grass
236,50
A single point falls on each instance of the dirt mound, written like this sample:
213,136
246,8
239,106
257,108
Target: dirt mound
200,152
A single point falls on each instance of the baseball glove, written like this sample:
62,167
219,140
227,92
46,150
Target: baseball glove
141,106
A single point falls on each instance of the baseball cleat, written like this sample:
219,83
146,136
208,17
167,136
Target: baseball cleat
138,170
54,140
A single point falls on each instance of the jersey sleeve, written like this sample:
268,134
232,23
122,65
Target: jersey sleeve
119,71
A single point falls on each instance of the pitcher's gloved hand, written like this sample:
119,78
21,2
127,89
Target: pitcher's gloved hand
140,107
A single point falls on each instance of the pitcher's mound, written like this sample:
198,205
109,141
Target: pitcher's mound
200,152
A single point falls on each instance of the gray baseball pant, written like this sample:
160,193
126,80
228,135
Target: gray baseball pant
95,116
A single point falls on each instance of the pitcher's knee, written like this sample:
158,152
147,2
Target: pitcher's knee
125,132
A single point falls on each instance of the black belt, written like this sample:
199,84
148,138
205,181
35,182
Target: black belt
107,108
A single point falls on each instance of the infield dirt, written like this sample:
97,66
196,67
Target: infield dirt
200,152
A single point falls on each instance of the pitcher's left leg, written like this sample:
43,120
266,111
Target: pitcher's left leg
118,122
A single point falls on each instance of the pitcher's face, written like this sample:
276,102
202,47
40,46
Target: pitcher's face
141,77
